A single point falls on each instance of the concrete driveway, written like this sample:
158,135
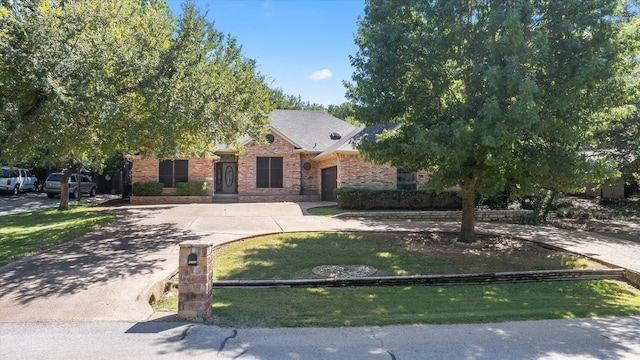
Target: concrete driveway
110,274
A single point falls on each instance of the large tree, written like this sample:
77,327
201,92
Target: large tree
490,93
82,80
618,130
283,101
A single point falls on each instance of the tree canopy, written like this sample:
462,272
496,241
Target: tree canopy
490,93
283,101
82,80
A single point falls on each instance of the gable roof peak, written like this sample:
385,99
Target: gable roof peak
311,130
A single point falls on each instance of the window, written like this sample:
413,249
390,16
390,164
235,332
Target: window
173,171
269,172
406,180
9,172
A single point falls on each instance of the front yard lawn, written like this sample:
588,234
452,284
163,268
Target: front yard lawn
292,256
376,306
27,233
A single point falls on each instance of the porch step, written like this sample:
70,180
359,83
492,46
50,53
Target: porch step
225,198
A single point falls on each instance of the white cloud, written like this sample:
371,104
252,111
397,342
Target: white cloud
267,8
320,75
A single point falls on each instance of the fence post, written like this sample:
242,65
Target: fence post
194,285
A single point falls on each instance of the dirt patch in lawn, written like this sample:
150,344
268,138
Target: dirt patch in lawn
491,254
440,253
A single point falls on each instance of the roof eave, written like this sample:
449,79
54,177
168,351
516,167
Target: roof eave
324,155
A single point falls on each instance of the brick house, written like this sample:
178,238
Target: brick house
306,155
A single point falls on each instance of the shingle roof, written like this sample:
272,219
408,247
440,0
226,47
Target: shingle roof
309,130
312,130
351,141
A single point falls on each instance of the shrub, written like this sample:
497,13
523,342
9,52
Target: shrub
363,199
491,202
147,188
191,188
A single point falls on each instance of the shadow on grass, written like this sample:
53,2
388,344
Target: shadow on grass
28,233
375,306
294,255
286,256
116,250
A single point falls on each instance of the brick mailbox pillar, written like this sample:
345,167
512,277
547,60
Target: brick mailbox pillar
195,275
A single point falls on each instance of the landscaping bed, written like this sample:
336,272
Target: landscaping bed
170,199
616,218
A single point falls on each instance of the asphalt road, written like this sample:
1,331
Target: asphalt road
608,338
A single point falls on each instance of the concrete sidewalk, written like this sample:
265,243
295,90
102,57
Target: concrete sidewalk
108,275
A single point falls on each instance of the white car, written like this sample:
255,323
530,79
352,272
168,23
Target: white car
16,180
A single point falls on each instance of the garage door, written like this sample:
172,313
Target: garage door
329,183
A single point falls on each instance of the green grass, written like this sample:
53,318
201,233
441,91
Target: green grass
325,211
294,255
374,306
27,233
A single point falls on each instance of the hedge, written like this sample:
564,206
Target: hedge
362,199
147,188
191,188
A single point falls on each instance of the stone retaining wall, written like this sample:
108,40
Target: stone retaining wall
505,216
632,277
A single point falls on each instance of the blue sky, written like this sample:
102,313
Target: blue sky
301,46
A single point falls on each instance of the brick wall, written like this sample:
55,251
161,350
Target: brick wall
354,171
200,169
145,170
194,284
291,174
310,179
326,162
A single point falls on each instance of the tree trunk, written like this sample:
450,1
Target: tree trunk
467,231
64,186
547,205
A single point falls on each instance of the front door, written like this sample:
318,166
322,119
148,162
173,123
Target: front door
227,178
329,183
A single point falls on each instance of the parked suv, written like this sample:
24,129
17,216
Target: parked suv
52,185
15,180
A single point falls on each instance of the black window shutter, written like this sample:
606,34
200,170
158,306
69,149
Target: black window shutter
276,172
165,175
262,172
181,171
